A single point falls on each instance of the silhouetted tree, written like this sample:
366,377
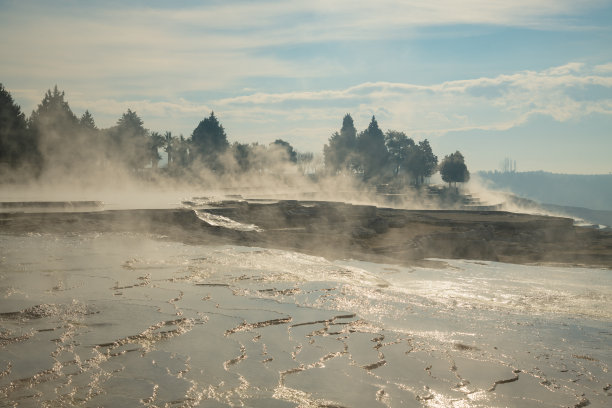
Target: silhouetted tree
400,148
415,159
130,141
259,158
155,141
341,151
94,139
169,146
453,169
424,163
18,146
181,148
373,154
242,153
58,131
283,145
209,141
54,112
305,162
87,121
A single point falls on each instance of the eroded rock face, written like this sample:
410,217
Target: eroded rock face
340,230
378,224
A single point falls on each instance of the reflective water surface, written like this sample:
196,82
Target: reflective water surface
128,320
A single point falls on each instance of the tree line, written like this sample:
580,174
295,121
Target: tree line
53,138
378,156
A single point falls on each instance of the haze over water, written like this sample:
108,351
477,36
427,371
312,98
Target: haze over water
337,101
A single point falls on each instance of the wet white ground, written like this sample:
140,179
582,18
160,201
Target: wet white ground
129,320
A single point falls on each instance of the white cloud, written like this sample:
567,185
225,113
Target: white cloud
550,79
604,68
566,69
487,103
180,107
148,59
221,40
353,17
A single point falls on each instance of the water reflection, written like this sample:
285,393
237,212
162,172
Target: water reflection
128,320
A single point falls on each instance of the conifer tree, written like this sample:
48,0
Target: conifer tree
373,154
58,132
18,145
209,140
341,151
130,144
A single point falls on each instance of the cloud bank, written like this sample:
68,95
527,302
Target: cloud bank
292,69
569,92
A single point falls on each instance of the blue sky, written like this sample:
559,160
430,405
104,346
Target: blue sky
526,79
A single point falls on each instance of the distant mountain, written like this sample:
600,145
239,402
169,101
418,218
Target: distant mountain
569,190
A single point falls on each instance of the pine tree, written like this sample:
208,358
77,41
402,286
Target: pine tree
58,132
87,121
18,145
209,140
130,141
426,162
340,153
373,153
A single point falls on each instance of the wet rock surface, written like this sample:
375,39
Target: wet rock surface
123,319
31,206
339,230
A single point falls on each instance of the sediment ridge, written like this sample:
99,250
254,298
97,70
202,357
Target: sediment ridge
340,230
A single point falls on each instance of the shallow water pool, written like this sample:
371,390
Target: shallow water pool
130,320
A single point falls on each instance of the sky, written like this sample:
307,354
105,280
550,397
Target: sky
530,80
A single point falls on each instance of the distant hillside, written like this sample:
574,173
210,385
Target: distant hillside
572,190
596,217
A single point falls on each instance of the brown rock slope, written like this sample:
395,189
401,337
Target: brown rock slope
339,230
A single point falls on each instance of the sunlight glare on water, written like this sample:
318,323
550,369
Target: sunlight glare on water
128,320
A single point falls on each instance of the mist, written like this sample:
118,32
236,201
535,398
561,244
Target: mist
257,275
56,156
266,204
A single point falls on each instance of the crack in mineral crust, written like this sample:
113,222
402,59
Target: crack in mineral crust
300,345
505,381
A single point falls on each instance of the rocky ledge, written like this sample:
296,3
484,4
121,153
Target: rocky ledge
340,230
